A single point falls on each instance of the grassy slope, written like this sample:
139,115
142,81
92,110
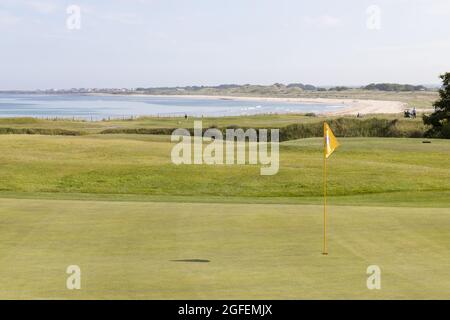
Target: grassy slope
365,170
126,250
257,121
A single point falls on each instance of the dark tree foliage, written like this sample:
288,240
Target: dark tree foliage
393,87
439,120
307,87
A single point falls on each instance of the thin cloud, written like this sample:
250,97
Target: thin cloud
322,21
42,6
122,18
7,18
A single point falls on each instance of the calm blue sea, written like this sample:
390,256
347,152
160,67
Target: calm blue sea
103,107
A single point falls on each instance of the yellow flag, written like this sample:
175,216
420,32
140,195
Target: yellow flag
330,141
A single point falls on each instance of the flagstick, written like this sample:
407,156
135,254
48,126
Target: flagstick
330,144
325,251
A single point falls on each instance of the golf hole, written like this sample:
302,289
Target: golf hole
192,260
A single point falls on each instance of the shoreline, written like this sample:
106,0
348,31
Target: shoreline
349,106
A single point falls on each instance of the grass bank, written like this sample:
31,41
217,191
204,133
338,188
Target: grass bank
371,170
291,126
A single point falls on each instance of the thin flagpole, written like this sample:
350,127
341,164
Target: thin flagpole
325,251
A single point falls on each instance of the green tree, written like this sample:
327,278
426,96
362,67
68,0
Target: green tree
440,118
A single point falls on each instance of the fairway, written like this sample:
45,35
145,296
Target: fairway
129,250
140,227
374,171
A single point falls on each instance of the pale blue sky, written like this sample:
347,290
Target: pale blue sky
133,43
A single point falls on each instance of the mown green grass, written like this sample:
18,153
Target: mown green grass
116,206
363,170
126,250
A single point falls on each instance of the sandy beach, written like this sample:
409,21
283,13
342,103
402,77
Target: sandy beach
350,106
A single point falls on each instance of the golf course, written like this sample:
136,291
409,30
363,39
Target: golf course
141,227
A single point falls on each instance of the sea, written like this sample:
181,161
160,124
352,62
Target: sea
103,107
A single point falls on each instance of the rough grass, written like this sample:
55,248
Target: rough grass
256,121
42,131
291,126
350,127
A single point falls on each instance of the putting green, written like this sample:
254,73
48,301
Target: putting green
264,251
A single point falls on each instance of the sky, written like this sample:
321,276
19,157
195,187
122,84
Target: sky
150,43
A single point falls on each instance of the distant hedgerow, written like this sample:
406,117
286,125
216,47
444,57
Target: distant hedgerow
49,132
